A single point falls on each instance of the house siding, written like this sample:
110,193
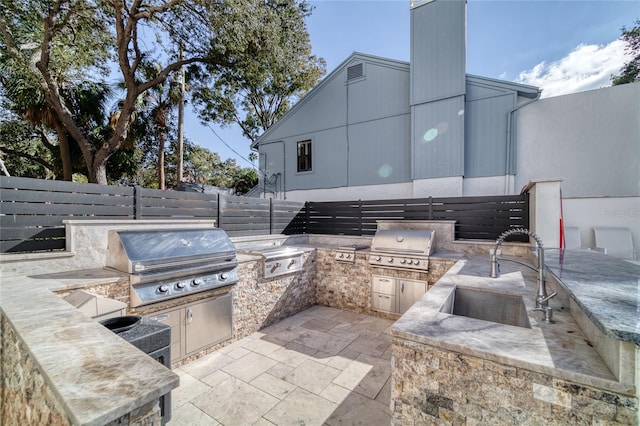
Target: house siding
438,50
438,138
350,123
591,139
486,133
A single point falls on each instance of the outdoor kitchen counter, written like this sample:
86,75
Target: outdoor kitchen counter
96,376
606,288
559,349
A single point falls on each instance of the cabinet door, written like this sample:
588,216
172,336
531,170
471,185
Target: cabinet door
172,319
409,292
208,323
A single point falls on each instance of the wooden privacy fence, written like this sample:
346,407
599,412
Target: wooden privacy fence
483,218
32,211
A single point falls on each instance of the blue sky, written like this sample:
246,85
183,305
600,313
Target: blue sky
560,46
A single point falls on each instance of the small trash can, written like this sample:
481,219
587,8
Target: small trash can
151,337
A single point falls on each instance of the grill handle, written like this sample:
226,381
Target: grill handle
141,267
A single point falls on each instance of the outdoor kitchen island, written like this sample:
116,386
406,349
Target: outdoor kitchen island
580,369
442,366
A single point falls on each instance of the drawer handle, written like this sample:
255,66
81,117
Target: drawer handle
160,318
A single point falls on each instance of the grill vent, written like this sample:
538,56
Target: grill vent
355,71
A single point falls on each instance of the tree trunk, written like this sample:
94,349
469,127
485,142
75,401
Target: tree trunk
98,173
65,152
161,179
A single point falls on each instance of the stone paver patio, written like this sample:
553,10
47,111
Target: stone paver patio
323,366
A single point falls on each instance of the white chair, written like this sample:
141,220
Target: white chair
572,238
616,242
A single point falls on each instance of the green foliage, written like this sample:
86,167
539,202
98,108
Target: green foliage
252,57
23,152
273,68
246,179
630,72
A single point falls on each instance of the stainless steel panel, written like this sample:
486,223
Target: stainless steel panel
409,292
145,293
403,241
384,285
383,302
172,319
208,323
281,266
139,251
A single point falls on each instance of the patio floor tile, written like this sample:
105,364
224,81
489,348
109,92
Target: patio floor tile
191,415
312,376
301,408
321,367
249,366
235,402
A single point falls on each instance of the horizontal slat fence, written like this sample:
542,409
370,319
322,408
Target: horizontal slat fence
32,211
483,218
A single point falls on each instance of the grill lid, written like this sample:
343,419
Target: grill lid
403,241
147,250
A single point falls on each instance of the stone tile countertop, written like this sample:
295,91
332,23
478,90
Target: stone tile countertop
558,349
606,288
97,376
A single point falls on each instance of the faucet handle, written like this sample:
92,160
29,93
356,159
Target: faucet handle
554,294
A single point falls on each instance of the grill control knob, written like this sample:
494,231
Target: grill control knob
223,276
390,260
341,255
348,256
181,284
163,288
378,258
417,262
196,282
410,261
404,261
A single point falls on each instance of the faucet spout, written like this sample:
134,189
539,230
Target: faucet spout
542,298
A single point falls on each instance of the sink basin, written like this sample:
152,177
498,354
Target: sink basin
487,306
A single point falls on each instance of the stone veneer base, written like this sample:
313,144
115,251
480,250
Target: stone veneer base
432,386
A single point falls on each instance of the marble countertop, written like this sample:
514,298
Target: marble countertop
558,349
606,288
97,375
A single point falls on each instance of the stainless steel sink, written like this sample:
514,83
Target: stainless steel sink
487,306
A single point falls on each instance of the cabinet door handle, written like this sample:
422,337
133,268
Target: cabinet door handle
189,316
160,318
402,288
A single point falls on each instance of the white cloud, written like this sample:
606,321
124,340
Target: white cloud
587,67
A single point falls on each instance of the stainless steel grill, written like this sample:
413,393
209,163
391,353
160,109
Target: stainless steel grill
165,264
279,261
347,254
406,249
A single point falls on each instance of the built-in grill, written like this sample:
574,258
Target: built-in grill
165,264
407,249
280,261
347,254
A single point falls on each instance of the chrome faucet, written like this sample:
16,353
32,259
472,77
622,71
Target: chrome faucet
542,299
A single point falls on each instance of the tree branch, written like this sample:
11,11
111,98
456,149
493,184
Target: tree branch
23,154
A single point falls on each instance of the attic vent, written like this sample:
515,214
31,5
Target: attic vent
354,71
